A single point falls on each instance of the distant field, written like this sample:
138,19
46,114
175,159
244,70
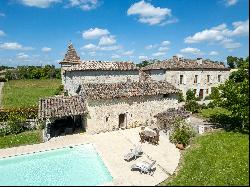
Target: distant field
25,93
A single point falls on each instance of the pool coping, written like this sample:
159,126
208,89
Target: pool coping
111,153
69,146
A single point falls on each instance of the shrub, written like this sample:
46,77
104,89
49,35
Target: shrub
207,97
181,132
192,106
211,105
190,95
2,79
180,97
59,90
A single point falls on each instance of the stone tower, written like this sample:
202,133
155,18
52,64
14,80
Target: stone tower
70,58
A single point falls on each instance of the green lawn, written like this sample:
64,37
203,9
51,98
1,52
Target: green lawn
207,113
218,158
24,138
25,93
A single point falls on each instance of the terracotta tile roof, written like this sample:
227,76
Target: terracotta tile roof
184,64
71,56
101,65
128,89
171,114
60,106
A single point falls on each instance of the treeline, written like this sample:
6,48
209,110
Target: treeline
5,67
33,72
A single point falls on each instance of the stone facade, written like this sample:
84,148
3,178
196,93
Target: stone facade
73,78
107,115
197,75
205,80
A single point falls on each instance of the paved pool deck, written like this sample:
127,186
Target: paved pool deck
112,146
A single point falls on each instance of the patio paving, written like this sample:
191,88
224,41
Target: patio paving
112,146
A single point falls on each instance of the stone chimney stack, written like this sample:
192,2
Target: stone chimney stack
199,61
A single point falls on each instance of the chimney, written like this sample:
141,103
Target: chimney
199,61
175,58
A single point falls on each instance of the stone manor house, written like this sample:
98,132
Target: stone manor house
106,96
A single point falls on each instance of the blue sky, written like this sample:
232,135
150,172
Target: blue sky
37,32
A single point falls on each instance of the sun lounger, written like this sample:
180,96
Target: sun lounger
144,167
134,153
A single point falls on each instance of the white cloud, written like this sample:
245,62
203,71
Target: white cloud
2,33
148,13
165,42
170,21
22,56
107,40
143,57
179,55
110,48
84,4
90,47
230,44
230,2
220,32
241,28
159,54
213,34
92,53
39,3
213,53
115,56
46,49
2,14
191,50
94,33
13,46
148,47
163,49
128,53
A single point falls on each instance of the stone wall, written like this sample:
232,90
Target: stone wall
173,77
73,78
104,114
158,75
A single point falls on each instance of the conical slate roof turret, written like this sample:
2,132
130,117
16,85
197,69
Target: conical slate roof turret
71,56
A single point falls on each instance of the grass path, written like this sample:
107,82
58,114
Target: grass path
218,158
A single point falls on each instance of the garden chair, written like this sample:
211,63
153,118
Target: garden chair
134,153
144,167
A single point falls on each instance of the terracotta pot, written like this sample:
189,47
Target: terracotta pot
180,146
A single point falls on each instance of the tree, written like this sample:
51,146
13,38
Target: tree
234,95
144,63
235,62
231,61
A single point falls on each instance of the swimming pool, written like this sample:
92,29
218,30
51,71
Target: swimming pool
75,166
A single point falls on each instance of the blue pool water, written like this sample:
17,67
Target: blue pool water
80,165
